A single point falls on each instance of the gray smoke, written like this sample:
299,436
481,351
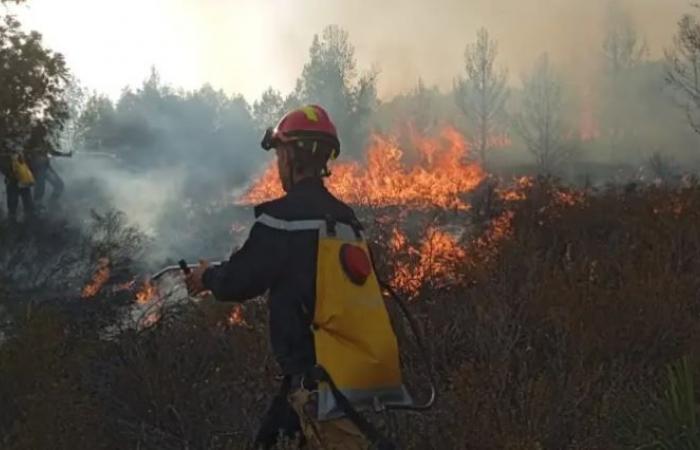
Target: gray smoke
182,156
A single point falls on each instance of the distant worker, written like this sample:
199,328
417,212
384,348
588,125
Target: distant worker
18,183
40,152
330,330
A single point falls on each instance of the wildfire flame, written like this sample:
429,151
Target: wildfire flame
235,317
437,253
435,174
441,259
518,191
99,278
148,292
500,228
521,186
568,198
438,177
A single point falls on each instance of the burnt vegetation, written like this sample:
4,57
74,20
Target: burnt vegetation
554,333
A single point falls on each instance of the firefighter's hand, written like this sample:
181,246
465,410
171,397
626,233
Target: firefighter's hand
194,282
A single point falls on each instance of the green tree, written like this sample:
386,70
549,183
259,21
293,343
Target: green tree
97,122
330,79
205,131
271,107
483,93
33,81
268,110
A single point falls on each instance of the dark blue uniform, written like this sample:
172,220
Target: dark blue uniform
283,263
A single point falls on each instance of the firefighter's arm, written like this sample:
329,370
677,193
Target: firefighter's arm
251,270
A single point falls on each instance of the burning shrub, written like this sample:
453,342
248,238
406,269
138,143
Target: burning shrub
56,262
549,326
437,177
582,303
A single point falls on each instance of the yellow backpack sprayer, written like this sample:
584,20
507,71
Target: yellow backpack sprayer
356,348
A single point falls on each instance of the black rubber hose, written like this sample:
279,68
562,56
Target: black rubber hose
423,352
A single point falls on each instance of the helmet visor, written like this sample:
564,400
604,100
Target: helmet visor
268,140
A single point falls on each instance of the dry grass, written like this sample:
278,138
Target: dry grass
559,340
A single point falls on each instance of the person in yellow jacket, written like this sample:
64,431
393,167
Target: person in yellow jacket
18,183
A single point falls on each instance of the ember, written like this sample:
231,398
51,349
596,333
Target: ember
99,278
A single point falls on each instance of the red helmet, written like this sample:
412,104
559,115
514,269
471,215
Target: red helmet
310,122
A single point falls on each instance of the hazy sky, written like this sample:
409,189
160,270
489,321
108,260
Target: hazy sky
246,45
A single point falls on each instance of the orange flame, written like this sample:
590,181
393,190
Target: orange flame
518,191
148,292
500,228
99,278
435,174
437,253
235,317
568,198
439,257
439,177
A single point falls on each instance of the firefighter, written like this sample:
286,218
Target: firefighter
40,152
284,254
18,183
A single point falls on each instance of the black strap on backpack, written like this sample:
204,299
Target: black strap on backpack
379,442
280,420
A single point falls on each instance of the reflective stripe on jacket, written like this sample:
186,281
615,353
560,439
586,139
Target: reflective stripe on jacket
279,257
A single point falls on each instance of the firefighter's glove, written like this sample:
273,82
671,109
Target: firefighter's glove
195,286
